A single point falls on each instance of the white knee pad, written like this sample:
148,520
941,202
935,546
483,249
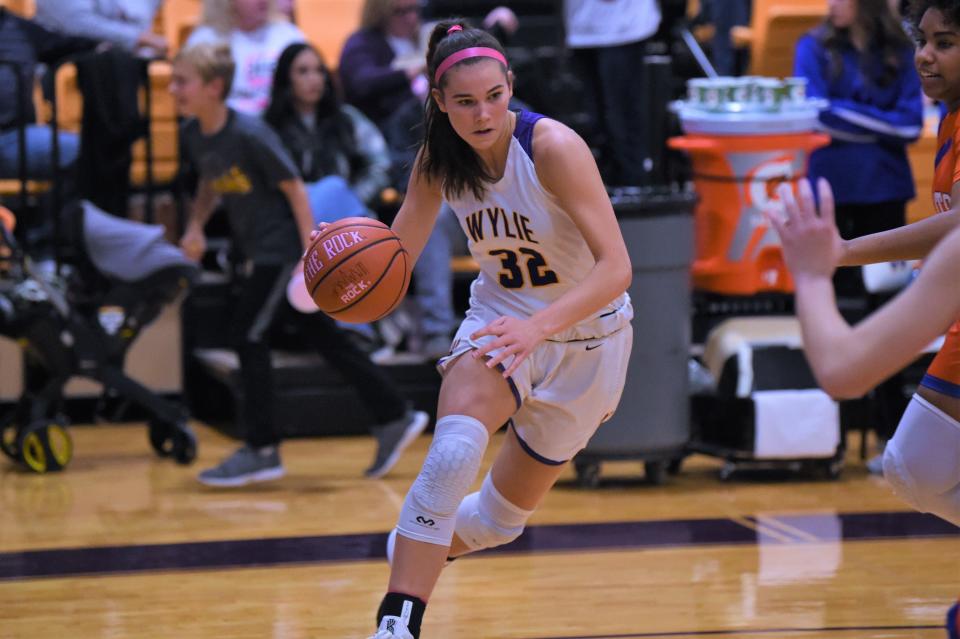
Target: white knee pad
448,471
486,519
922,461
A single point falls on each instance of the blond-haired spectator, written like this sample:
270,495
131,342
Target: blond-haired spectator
257,33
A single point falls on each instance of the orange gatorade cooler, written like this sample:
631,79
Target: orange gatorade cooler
741,151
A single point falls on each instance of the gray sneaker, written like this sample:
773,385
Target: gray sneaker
392,438
246,466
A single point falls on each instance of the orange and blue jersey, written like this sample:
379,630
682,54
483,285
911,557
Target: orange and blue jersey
943,375
946,170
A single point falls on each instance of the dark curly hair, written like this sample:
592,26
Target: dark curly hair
949,8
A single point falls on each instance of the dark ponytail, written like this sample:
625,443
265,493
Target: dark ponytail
445,156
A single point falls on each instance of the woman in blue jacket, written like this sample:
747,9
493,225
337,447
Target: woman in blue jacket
861,60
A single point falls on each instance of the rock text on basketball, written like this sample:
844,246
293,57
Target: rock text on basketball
337,244
312,266
351,282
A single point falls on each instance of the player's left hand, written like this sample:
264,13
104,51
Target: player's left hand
314,234
517,337
810,241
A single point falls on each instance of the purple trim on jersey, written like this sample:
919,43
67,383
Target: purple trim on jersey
526,448
940,385
943,151
524,130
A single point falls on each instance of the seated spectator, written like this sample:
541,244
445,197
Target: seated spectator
26,43
125,23
382,70
380,66
257,33
341,155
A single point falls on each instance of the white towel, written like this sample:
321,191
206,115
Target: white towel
795,424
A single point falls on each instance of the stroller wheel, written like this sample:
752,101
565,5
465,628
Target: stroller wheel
184,444
161,437
173,440
45,447
9,433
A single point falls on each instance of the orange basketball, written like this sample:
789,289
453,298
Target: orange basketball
356,270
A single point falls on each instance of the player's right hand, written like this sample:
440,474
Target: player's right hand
194,244
809,238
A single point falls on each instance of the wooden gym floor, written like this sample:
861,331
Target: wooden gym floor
122,544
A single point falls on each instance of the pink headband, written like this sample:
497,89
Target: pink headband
463,54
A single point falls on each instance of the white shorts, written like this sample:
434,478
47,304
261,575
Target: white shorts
563,390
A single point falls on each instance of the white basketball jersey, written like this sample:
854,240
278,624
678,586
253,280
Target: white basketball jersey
529,250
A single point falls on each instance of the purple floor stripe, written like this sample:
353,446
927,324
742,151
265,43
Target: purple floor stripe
753,631
360,547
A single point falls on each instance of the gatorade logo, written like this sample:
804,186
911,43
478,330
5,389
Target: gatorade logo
764,179
425,521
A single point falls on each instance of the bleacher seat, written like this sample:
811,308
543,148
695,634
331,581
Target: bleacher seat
775,27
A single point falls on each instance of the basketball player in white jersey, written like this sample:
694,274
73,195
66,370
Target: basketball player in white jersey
545,343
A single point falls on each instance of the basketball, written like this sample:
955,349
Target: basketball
356,270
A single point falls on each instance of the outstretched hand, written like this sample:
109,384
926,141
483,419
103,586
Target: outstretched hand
314,234
321,227
811,243
517,337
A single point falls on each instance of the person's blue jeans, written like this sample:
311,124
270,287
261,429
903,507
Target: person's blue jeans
39,152
726,15
434,279
332,199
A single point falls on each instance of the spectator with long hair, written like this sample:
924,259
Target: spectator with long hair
341,155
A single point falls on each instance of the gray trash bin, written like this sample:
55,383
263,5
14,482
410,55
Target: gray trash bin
652,423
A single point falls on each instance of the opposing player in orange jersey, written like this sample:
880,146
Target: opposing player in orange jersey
928,427
847,360
922,461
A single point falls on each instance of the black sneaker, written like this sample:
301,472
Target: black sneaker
392,438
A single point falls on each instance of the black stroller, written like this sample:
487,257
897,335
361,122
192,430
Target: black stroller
79,319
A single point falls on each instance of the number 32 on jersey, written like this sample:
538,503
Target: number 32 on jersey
522,266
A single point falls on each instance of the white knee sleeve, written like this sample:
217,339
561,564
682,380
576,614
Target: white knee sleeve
922,461
448,471
486,519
